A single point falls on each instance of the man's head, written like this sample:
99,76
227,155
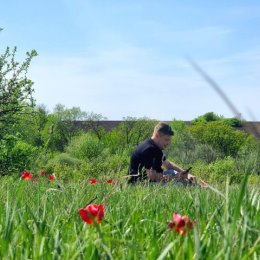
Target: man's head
162,135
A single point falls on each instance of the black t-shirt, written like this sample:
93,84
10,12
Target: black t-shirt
147,155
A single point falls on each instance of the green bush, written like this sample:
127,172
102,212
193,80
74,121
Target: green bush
183,144
128,134
220,136
110,166
16,155
218,171
64,166
234,122
185,149
85,146
208,117
248,157
204,152
222,168
211,116
62,159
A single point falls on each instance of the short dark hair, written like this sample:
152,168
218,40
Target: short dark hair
164,128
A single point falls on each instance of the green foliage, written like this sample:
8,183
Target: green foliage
30,127
62,159
249,156
223,168
92,122
220,136
15,155
69,114
67,167
218,171
182,147
85,146
234,122
68,117
185,149
60,127
130,133
15,89
64,166
203,152
42,223
55,134
211,116
106,166
208,117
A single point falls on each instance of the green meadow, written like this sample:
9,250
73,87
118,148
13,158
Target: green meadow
41,221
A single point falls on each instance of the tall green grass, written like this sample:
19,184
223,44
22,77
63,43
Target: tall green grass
37,222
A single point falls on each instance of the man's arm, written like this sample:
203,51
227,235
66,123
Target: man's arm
159,176
170,165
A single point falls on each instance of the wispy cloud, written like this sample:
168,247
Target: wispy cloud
124,82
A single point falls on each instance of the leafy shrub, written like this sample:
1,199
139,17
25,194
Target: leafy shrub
85,146
234,122
248,157
15,155
208,117
55,134
110,165
182,145
204,152
64,166
220,136
129,133
211,116
185,149
62,159
218,171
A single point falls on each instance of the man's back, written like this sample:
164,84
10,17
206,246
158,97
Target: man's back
147,155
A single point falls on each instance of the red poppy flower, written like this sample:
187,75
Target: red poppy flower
35,180
93,212
42,172
93,181
110,181
52,177
26,176
181,224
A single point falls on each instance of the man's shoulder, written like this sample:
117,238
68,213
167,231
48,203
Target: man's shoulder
146,146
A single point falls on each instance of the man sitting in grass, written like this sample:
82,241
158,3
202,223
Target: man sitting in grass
149,162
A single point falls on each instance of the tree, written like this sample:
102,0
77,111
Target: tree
133,130
69,114
129,133
207,117
62,126
65,119
211,116
15,88
93,123
220,136
29,128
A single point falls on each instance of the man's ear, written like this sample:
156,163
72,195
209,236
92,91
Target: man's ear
157,134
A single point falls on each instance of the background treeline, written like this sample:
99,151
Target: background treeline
31,138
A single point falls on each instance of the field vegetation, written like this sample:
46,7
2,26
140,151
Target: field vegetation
64,192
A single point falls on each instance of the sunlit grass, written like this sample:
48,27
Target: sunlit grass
37,222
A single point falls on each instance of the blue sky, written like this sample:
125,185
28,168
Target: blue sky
128,58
